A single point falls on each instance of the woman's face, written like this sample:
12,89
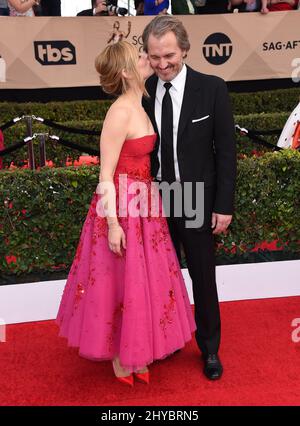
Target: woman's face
144,66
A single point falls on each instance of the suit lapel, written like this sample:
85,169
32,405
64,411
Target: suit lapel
150,102
149,105
190,98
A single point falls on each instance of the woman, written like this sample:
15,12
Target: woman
21,8
125,299
156,7
139,7
183,7
246,5
278,5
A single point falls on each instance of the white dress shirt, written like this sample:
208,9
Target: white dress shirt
176,93
191,7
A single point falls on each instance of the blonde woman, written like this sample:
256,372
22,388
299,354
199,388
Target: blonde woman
125,299
22,7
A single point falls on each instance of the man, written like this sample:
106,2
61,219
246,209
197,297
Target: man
51,7
4,10
183,7
98,8
104,8
208,7
139,7
198,146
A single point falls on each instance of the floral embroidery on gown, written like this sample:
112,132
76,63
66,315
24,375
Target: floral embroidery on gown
135,306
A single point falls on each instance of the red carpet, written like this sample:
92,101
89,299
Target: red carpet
261,365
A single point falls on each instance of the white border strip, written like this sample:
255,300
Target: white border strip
39,301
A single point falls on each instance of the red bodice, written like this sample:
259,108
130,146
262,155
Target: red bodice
134,158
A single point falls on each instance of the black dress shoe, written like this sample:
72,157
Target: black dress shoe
212,367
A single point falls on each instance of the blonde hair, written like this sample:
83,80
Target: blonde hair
110,64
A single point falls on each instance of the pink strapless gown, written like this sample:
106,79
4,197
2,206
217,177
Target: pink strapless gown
135,306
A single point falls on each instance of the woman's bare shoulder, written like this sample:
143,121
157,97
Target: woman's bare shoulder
117,118
121,108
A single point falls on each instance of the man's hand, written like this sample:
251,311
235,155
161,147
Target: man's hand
220,222
100,7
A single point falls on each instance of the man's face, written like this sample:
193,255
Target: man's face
166,57
144,66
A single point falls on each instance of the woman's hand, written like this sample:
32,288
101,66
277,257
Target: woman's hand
116,239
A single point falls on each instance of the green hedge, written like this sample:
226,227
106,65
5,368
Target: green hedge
261,110
55,152
268,121
55,111
58,154
243,104
265,101
43,212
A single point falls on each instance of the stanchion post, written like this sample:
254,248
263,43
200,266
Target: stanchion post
30,150
42,147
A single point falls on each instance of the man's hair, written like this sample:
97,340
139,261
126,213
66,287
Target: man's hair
163,24
94,3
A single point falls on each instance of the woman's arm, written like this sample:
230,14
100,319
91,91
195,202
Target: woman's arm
113,135
264,6
22,6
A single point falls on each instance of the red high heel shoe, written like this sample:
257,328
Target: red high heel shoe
127,380
143,377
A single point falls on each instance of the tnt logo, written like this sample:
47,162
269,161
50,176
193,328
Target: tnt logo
217,48
55,52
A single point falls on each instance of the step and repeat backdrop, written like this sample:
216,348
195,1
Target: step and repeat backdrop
46,52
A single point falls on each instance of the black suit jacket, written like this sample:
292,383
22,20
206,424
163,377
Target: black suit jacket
87,12
206,145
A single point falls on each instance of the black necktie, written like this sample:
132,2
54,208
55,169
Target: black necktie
167,155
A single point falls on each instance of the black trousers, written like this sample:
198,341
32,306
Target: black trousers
4,11
51,7
200,258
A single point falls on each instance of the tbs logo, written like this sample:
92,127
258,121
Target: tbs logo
55,52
